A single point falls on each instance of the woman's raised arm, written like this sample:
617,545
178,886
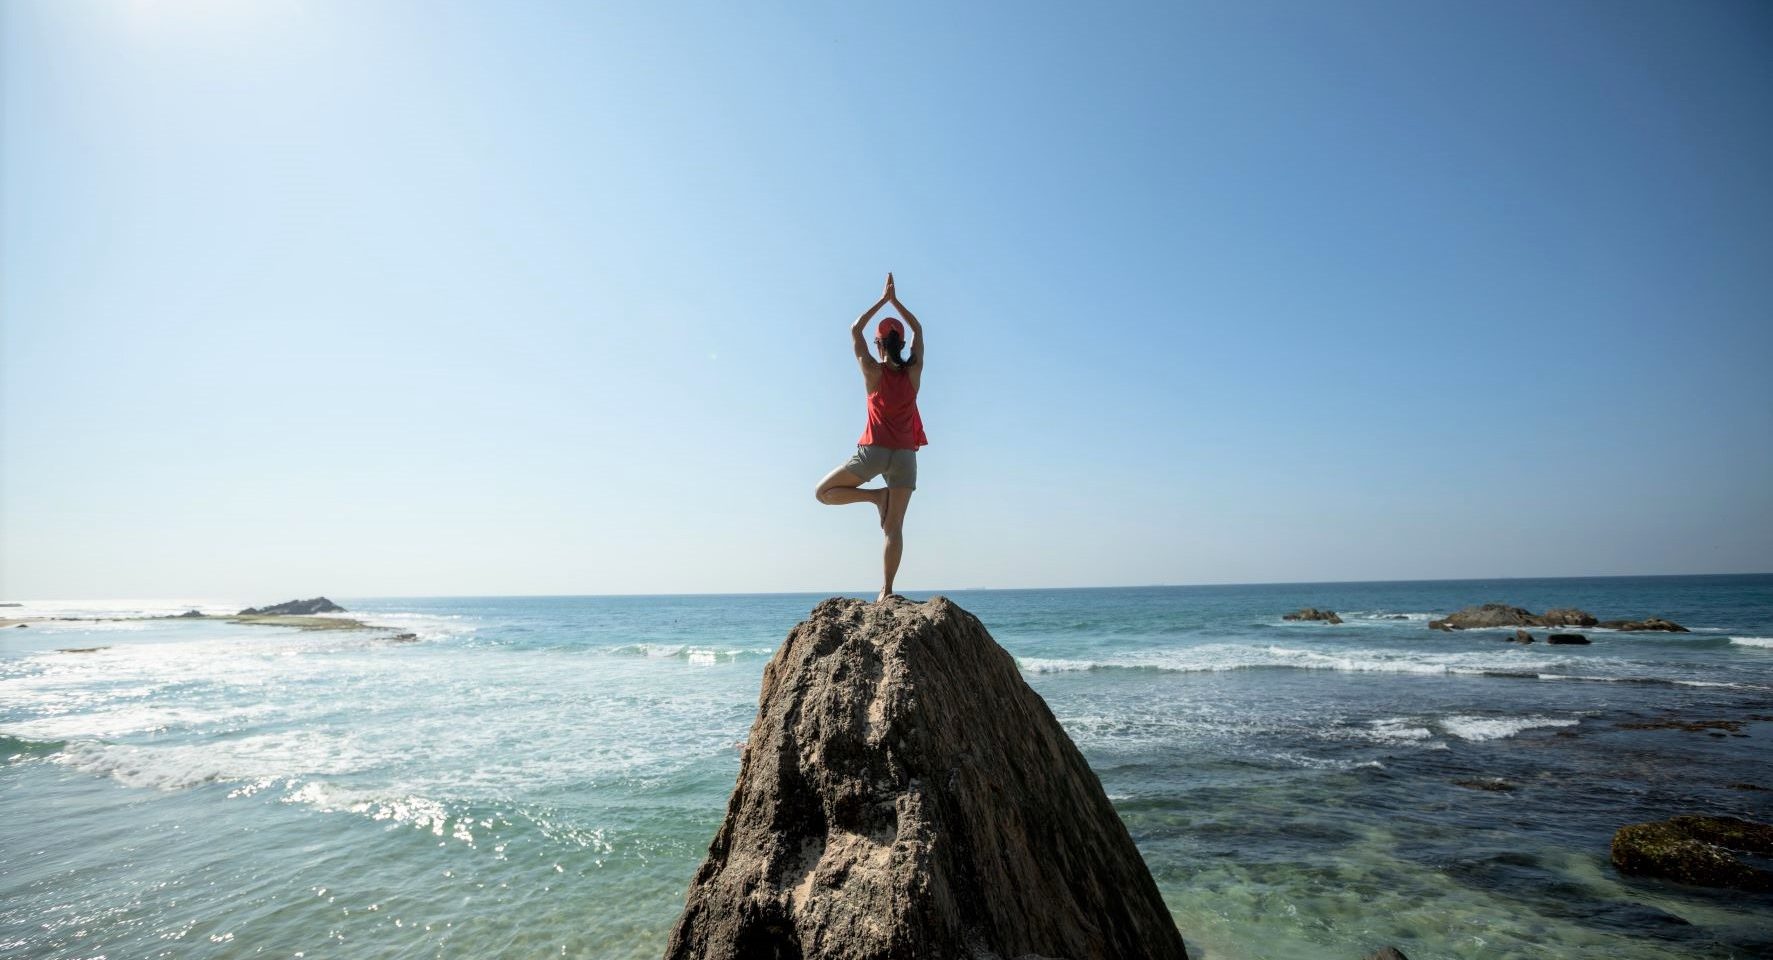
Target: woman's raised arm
860,342
910,321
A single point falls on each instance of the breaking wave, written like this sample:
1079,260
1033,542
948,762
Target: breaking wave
690,653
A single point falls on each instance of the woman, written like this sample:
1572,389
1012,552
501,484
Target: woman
889,443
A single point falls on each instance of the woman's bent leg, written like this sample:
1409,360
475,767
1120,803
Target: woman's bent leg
842,486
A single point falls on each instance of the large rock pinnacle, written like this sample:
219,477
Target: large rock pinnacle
904,794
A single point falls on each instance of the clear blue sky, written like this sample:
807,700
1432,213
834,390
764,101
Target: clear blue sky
441,298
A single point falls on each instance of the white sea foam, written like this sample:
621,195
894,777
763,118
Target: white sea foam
1232,656
700,656
1763,643
90,626
1309,762
153,768
1497,728
1398,730
428,626
158,607
1392,616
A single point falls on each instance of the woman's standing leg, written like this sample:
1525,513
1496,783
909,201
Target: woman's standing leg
897,499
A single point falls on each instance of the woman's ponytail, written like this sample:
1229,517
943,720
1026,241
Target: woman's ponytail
894,343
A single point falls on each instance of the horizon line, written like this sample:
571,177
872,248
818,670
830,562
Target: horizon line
939,591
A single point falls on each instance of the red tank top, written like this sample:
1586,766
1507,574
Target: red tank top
892,413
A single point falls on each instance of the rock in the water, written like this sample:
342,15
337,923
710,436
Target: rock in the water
1691,726
1388,953
1488,615
1696,850
1503,615
1521,636
294,608
1492,784
1648,623
905,794
1566,638
1567,617
191,613
1313,613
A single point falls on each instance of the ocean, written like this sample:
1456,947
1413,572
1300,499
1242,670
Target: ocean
540,776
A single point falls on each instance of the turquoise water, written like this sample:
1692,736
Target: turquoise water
541,776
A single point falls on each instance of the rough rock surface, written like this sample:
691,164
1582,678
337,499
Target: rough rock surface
1697,850
1488,615
1502,615
1521,636
904,794
1313,613
1568,617
295,608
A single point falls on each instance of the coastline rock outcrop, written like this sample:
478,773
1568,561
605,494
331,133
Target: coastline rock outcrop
293,608
905,794
1566,639
1487,615
1490,615
1313,613
1568,617
1698,850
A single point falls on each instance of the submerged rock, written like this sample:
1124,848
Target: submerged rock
1492,784
1696,850
1521,636
293,608
905,794
1566,638
1691,726
1387,953
1313,613
1648,623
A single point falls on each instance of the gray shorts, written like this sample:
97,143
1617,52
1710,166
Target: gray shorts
899,467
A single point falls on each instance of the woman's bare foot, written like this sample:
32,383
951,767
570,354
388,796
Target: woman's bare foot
886,595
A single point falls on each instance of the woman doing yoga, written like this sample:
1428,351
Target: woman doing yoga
888,448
